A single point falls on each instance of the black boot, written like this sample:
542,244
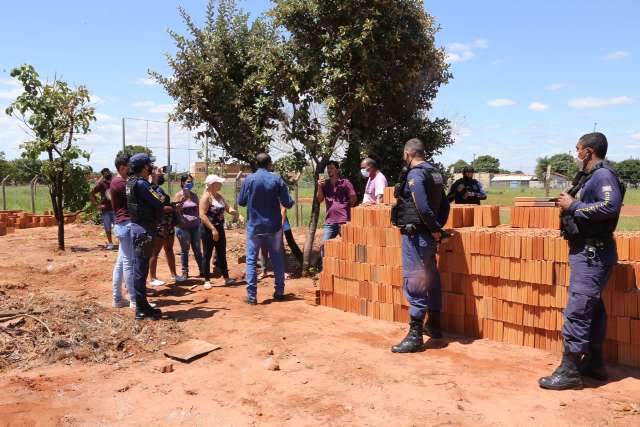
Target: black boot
413,342
432,327
145,311
592,364
566,376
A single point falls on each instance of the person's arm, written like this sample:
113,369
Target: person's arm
452,191
94,191
283,213
353,196
380,185
609,199
243,197
417,186
481,195
179,197
231,211
284,196
203,207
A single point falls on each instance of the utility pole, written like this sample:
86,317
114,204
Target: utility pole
169,153
206,156
123,136
594,126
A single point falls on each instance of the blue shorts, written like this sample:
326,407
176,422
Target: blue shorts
108,219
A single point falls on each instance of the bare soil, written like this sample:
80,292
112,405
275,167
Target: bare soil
284,363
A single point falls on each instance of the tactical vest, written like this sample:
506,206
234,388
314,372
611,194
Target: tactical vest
470,185
140,212
576,229
405,211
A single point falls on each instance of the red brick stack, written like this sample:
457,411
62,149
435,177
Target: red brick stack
535,212
10,220
502,283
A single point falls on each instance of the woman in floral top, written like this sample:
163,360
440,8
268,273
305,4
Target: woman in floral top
212,209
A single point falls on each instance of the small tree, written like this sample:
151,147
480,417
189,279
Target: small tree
130,150
486,163
560,163
629,171
458,166
54,114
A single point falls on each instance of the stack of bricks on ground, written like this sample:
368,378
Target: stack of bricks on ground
10,220
502,283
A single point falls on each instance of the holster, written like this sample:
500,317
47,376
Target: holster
143,246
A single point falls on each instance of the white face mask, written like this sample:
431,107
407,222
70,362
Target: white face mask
364,173
578,160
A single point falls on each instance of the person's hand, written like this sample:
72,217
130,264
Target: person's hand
437,236
240,219
321,182
460,188
215,234
565,201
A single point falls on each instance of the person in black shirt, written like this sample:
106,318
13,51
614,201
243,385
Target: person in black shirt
467,190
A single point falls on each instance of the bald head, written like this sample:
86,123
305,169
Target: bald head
263,160
415,148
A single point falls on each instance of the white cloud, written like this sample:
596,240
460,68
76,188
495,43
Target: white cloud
95,99
636,136
12,89
501,102
460,52
617,55
152,107
103,117
554,87
593,102
148,81
538,106
143,104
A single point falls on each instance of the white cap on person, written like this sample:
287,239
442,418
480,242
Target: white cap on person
212,179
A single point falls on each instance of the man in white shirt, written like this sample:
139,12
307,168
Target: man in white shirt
376,182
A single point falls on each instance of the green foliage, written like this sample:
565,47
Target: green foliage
130,150
221,79
55,114
629,171
77,187
290,166
486,163
458,166
560,163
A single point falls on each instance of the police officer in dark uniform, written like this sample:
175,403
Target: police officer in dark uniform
146,207
421,210
590,214
467,190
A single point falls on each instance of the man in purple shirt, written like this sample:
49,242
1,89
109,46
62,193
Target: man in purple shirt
339,196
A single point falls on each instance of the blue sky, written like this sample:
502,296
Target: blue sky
529,77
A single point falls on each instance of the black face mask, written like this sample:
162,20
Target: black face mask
160,180
108,177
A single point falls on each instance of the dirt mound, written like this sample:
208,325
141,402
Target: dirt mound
38,328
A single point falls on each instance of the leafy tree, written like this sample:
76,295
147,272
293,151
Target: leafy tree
130,150
359,76
560,163
24,169
458,166
220,79
290,165
5,166
486,163
55,114
629,171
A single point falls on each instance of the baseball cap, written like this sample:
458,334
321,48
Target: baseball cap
140,159
212,179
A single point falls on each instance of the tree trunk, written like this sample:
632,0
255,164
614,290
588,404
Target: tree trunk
315,216
58,203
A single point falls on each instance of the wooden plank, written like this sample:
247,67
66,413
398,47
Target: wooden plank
189,350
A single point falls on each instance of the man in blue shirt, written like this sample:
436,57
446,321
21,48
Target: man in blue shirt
591,209
262,193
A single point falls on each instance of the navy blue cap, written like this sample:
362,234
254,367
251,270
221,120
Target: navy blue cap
140,159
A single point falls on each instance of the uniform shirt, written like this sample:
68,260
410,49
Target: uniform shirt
465,186
600,198
102,187
118,189
145,193
416,189
338,201
375,187
262,193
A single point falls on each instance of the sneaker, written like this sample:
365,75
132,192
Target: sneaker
132,305
109,246
179,279
156,282
207,285
230,282
121,303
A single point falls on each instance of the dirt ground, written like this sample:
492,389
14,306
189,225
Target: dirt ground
334,368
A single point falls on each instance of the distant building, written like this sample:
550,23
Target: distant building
512,181
230,170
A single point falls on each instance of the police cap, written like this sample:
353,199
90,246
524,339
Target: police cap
140,159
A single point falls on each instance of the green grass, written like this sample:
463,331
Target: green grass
626,223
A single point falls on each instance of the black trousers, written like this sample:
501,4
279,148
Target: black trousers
220,247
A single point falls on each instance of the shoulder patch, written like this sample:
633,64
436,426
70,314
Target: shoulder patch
437,177
412,182
606,189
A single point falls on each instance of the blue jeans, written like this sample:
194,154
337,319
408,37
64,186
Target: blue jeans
329,231
422,286
273,244
108,218
124,262
189,238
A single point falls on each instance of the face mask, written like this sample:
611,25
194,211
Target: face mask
108,177
188,185
578,160
364,173
160,180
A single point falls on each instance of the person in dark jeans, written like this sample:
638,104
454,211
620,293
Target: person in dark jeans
212,209
188,228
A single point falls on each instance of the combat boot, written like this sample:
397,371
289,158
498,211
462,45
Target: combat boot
413,342
432,326
566,376
592,365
